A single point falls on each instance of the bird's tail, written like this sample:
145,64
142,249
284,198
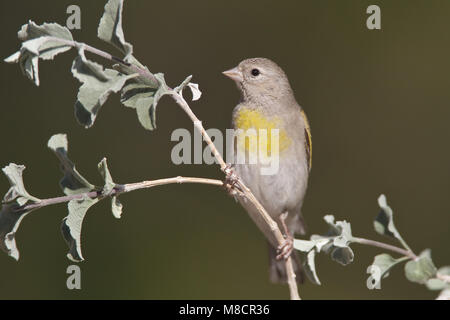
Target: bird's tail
278,267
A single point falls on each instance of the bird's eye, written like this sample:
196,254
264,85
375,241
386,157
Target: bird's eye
255,72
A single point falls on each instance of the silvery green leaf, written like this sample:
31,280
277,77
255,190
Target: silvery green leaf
44,41
97,85
384,222
310,268
308,245
130,69
110,27
196,93
436,284
422,269
109,183
17,191
71,226
444,270
384,262
116,206
53,39
14,58
10,218
340,232
303,245
345,236
72,182
334,230
337,240
12,213
342,255
32,31
144,99
321,244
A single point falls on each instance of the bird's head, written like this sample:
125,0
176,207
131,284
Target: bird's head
260,80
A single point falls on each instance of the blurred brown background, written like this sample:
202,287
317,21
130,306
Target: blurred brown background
378,103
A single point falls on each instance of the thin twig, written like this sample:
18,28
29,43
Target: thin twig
386,246
120,189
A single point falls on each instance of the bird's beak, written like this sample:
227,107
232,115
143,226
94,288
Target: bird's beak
234,74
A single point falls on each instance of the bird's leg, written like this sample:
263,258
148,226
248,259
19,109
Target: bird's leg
284,250
230,181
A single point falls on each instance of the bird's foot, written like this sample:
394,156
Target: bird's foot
284,250
230,182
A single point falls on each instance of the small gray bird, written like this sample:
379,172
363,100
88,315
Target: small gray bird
268,102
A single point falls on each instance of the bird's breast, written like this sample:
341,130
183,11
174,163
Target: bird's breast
258,133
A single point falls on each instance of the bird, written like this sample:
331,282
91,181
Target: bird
267,102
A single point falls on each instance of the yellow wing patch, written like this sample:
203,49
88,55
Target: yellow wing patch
252,119
308,139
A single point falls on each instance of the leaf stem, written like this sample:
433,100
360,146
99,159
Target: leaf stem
373,243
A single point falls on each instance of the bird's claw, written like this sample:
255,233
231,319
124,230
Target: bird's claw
284,250
230,181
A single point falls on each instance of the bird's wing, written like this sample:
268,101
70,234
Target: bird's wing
308,139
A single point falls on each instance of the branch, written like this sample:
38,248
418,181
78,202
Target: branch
120,189
386,246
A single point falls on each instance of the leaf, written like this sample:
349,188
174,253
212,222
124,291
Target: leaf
17,191
12,213
422,269
97,85
71,226
196,93
310,268
144,99
303,245
384,222
436,284
444,271
333,230
10,218
342,255
384,262
109,183
39,41
72,182
345,236
340,231
116,206
110,27
131,69
336,241
308,245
